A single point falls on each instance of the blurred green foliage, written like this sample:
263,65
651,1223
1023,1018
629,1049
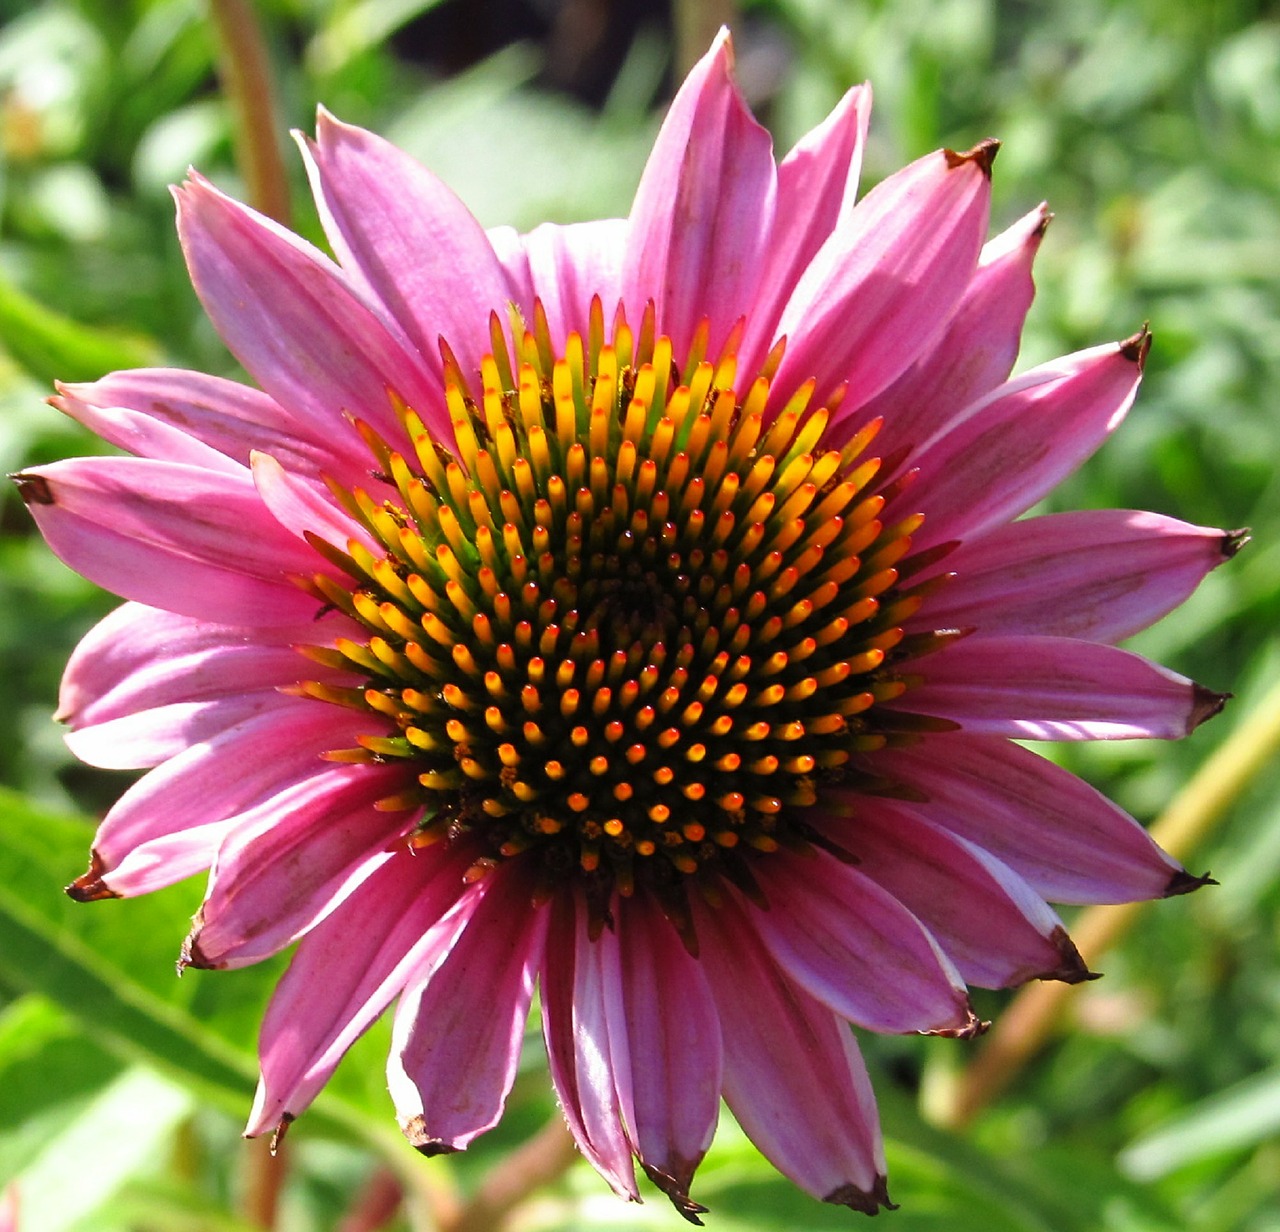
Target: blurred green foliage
1153,129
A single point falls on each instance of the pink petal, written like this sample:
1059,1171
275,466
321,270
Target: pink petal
1066,839
228,417
460,1025
169,824
974,354
792,1072
406,241
293,319
991,924
887,280
664,1042
703,212
817,185
287,865
302,508
847,941
1008,450
346,971
1100,574
575,1024
179,537
1057,688
569,265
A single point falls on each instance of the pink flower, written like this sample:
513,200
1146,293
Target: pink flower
636,609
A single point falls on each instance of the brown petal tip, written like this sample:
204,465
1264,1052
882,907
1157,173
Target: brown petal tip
34,489
415,1129
1234,540
1205,703
1135,348
277,1139
89,887
867,1201
971,1028
1046,217
983,154
677,1190
1183,882
1071,968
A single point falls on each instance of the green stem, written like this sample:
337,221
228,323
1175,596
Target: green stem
245,70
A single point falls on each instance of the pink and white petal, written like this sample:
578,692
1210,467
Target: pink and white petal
1001,456
576,1028
973,355
848,942
229,417
793,1076
569,265
407,242
170,823
346,971
703,212
460,1025
293,319
991,924
887,280
1057,688
1100,574
817,187
179,537
286,864
1066,839
664,1039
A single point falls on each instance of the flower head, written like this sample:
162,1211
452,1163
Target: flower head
636,609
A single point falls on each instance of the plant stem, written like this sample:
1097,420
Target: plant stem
1039,1009
245,70
264,1179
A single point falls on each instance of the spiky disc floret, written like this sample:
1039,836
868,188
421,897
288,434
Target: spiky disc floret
628,621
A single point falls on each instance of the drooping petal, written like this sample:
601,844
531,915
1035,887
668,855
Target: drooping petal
460,1024
973,355
1005,452
793,1075
302,508
1057,688
847,941
861,312
292,318
280,872
569,265
345,973
406,241
178,537
703,212
576,1028
1100,574
991,924
1065,838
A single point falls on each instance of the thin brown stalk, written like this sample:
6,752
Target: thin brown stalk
1040,1009
264,1175
244,68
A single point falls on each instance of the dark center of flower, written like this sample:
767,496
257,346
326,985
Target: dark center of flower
627,624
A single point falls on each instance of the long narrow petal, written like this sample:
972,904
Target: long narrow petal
302,508
575,1025
280,872
1058,688
1007,451
406,240
1100,574
847,941
293,319
568,265
703,212
178,537
887,280
1066,839
346,971
991,924
459,1027
974,354
225,415
792,1072
664,1037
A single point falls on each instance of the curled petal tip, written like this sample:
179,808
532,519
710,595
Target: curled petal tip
89,887
867,1201
971,1028
277,1138
1135,348
1183,882
1234,540
34,489
415,1130
1071,969
678,1191
1205,703
983,155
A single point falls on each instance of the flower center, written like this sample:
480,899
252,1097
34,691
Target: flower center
626,623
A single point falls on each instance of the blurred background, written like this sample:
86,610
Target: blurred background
1149,1100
